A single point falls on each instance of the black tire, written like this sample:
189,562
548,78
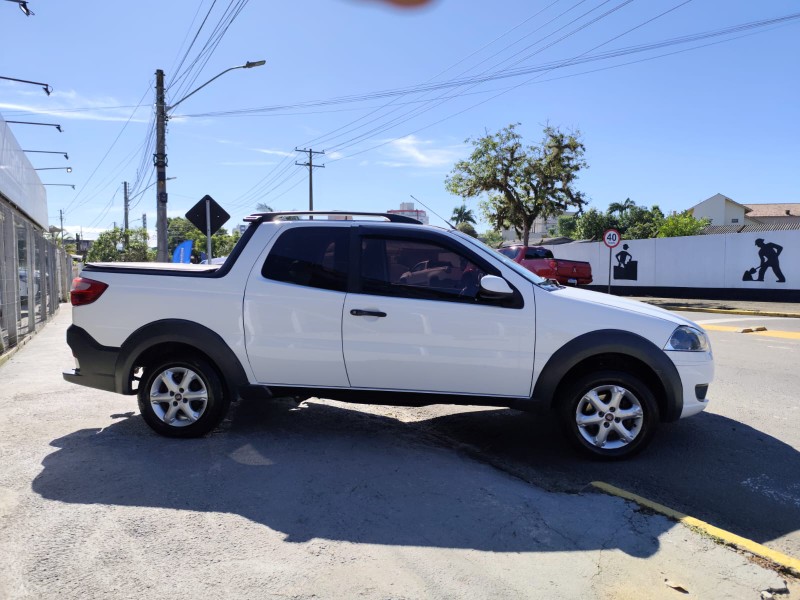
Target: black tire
604,428
182,398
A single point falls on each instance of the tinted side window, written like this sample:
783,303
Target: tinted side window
538,253
417,269
310,256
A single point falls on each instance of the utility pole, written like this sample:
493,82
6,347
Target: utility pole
144,221
310,164
125,192
61,216
125,219
160,161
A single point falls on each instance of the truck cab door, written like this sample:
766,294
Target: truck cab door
293,308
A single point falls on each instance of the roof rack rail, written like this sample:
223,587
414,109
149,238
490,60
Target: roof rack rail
274,216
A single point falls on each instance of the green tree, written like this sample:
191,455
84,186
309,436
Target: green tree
261,207
591,224
110,246
467,228
566,225
682,224
621,208
521,183
639,223
492,238
461,214
180,230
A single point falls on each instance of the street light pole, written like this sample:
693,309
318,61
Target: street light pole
160,157
160,160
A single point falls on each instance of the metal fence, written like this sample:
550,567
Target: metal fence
35,276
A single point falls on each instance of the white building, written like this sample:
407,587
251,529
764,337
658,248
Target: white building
407,210
721,210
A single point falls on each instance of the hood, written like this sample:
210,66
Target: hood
624,304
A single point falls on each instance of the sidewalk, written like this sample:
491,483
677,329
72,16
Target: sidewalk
736,307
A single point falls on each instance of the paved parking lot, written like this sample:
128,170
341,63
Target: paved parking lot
325,500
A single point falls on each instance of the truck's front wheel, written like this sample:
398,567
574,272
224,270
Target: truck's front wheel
182,398
609,414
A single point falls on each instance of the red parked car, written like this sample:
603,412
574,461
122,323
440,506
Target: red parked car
542,262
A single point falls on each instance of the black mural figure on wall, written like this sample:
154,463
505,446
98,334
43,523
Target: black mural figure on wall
768,254
626,267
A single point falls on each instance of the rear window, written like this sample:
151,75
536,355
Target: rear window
538,253
310,256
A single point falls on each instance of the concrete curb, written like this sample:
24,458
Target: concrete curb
726,311
783,561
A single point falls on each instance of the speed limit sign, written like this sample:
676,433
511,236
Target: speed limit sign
611,238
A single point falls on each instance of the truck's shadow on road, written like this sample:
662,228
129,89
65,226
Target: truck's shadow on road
327,472
710,467
333,473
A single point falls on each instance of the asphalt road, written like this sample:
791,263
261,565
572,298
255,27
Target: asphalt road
322,501
736,465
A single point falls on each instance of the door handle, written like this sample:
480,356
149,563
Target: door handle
357,312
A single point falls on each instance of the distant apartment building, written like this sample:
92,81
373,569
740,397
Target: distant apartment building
407,210
543,227
723,211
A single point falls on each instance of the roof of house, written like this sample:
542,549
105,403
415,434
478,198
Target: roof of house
724,197
755,228
774,210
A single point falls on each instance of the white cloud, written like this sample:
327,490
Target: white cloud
248,163
73,106
411,151
273,152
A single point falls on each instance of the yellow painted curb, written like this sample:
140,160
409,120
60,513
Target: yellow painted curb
778,558
731,311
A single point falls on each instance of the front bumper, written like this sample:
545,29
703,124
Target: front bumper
96,364
696,370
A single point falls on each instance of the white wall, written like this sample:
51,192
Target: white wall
702,261
19,181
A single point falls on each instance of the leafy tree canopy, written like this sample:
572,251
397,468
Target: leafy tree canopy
492,238
180,230
634,222
467,228
461,214
682,224
521,183
121,245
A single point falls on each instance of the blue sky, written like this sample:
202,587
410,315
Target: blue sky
670,131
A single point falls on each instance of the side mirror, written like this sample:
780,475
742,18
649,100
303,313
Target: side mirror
493,286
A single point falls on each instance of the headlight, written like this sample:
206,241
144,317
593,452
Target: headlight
688,339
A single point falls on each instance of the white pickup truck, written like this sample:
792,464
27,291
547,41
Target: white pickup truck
341,308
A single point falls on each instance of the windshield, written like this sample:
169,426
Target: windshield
479,245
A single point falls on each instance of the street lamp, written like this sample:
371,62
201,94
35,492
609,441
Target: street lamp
45,86
62,184
160,157
49,152
56,125
23,6
67,169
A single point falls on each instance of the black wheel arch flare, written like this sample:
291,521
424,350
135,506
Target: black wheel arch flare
615,345
168,332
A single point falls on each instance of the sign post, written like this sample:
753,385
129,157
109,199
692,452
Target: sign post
611,238
208,217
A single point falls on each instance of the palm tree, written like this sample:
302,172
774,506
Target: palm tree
461,214
621,207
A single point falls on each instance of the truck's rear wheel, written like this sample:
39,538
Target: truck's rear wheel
182,398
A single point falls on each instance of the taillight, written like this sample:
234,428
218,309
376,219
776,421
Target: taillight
85,291
553,264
